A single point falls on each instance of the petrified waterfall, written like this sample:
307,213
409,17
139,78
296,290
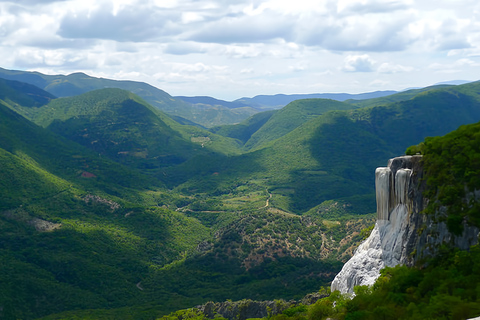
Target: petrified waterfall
385,246
401,235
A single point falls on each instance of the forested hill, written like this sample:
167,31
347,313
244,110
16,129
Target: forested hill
20,93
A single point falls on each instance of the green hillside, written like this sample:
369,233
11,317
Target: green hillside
119,125
211,114
21,93
77,231
112,122
397,97
244,130
332,156
290,117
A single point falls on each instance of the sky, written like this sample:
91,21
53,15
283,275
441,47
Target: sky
230,49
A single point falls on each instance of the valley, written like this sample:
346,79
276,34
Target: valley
119,201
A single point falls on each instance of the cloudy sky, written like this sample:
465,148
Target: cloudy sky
234,48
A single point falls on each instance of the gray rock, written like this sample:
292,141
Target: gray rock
245,309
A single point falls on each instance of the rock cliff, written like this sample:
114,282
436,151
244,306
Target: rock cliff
402,234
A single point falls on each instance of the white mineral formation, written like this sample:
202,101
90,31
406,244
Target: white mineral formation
384,246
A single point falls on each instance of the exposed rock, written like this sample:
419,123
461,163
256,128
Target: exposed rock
204,246
44,225
312,298
402,235
89,198
86,174
245,309
22,215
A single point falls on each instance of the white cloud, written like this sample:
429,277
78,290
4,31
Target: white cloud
52,58
358,63
297,68
379,83
135,23
393,68
189,17
182,48
247,71
372,6
245,29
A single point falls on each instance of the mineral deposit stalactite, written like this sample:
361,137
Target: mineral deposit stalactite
382,188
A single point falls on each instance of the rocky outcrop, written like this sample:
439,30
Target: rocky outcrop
247,309
112,205
402,234
244,309
21,215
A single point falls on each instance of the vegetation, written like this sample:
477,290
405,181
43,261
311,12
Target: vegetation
22,94
392,98
290,117
452,165
244,130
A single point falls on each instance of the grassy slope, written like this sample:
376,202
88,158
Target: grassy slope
59,156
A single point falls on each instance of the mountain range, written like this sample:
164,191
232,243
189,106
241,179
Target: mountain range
113,206
203,111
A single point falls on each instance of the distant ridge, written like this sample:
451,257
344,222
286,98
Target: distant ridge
279,100
442,83
454,82
79,83
211,101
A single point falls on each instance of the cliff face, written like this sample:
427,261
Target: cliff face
401,235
